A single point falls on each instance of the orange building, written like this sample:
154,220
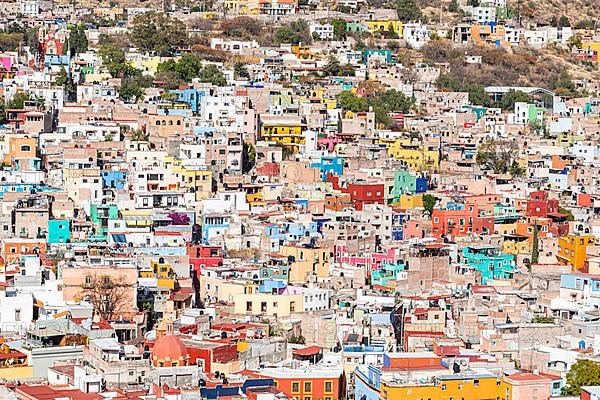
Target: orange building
338,202
20,148
14,248
313,383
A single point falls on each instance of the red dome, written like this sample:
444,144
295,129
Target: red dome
169,347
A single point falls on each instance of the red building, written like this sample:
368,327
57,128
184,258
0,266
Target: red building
540,205
453,223
362,193
204,256
208,353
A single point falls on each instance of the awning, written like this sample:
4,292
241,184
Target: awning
119,238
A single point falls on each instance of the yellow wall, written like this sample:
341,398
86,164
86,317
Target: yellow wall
455,389
16,373
514,247
306,261
276,305
572,249
384,25
410,201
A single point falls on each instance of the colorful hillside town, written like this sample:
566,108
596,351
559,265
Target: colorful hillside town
299,200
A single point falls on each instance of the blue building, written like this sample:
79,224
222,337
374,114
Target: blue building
489,261
398,219
234,390
268,286
329,165
193,97
59,231
367,382
114,179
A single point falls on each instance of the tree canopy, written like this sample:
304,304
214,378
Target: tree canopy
582,373
78,42
294,33
408,10
500,156
383,104
157,32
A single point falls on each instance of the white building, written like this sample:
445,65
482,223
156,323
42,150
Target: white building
323,31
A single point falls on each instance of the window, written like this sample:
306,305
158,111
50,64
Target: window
443,386
130,373
17,314
292,306
88,280
248,306
295,387
476,382
307,387
25,148
328,387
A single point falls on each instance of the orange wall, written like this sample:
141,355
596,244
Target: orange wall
317,391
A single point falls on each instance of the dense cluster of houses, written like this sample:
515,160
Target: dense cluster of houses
260,240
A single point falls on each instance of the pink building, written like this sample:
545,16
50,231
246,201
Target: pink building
529,386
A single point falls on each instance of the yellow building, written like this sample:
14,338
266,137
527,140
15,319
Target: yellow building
192,177
163,272
137,218
279,305
516,244
572,250
13,364
285,131
592,47
384,26
447,386
224,290
418,157
408,201
306,261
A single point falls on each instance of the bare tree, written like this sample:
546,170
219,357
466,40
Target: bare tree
500,156
109,296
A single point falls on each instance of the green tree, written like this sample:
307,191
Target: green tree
350,102
246,28
574,41
18,101
542,319
130,91
10,41
453,7
66,81
477,95
508,100
240,70
567,212
339,28
563,22
535,252
408,10
187,68
212,74
78,42
249,157
429,203
114,61
157,32
294,33
582,373
297,339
